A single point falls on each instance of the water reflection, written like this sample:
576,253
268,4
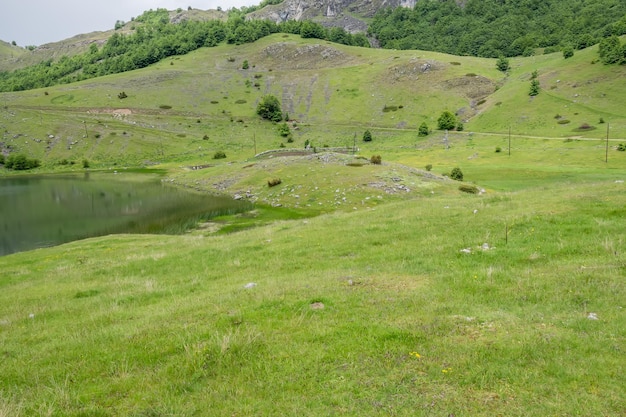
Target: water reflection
39,211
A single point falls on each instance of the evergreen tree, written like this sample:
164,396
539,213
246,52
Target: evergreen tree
447,121
503,64
423,130
534,88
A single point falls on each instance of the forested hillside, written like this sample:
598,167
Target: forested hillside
492,28
154,37
484,28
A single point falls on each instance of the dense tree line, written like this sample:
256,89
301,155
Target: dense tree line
154,38
494,28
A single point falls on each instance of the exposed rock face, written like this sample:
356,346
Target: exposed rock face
341,13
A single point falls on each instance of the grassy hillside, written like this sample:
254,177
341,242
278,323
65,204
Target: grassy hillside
14,57
332,91
402,296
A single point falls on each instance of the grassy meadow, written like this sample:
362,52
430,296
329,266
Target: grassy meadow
353,288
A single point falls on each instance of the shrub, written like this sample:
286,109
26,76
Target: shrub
429,167
205,137
503,64
621,147
273,182
423,130
601,120
498,149
447,121
85,163
122,95
245,65
471,189
460,127
376,160
20,162
367,136
269,109
534,74
1,159
283,130
456,174
563,122
165,106
568,52
219,155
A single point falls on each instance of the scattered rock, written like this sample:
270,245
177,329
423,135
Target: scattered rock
466,250
250,285
317,306
592,316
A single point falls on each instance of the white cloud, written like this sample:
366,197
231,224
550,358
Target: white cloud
35,22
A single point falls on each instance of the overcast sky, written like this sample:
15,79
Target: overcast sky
36,22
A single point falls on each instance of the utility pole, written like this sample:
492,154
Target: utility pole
85,125
606,156
509,140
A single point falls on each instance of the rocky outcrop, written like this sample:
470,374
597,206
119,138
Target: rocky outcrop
348,14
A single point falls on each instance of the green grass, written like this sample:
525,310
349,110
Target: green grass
417,318
139,324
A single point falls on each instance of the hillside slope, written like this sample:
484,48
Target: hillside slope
206,101
16,57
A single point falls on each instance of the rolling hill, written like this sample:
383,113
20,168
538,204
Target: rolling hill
205,100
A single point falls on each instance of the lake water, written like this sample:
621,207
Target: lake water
40,211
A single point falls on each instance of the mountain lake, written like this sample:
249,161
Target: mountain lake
47,210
